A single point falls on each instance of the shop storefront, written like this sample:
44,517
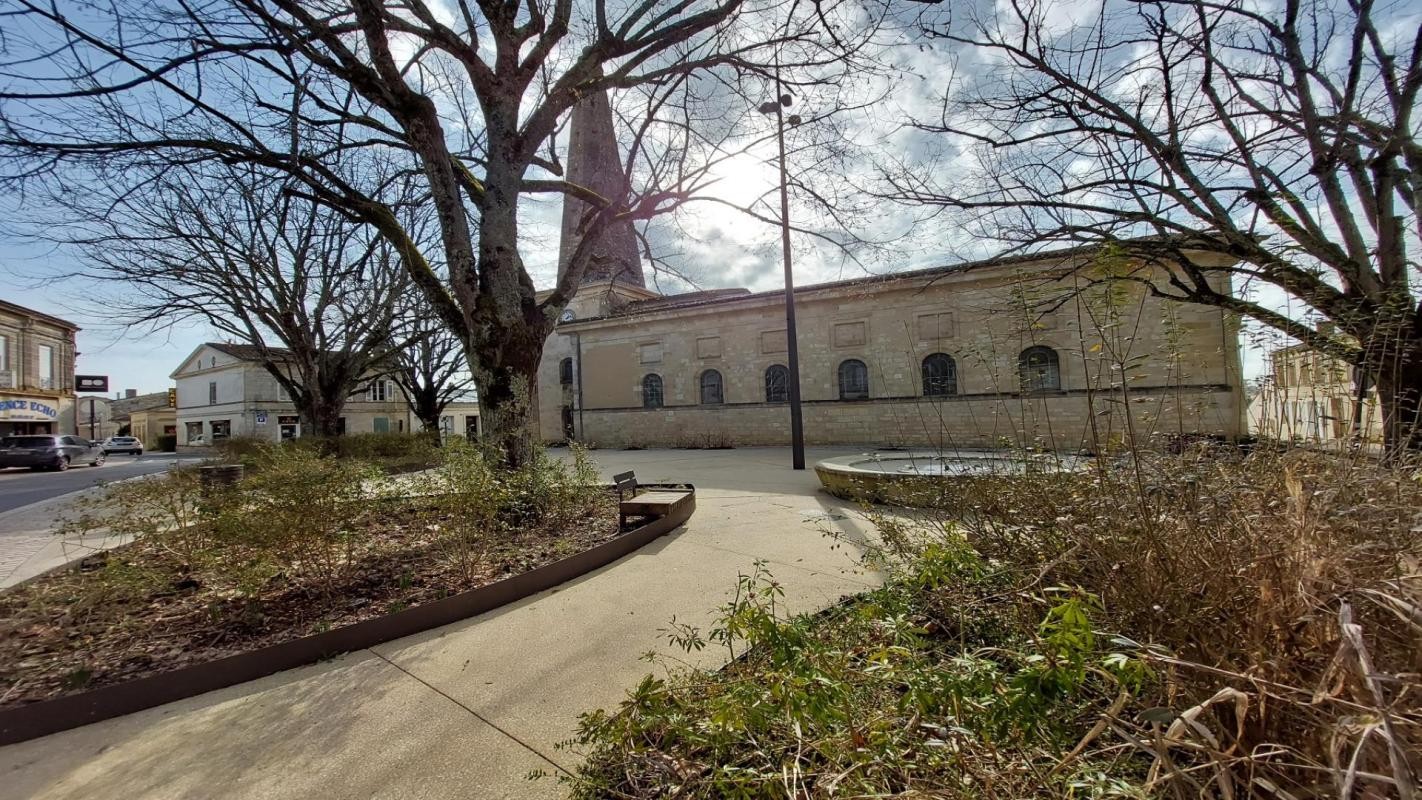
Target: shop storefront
28,415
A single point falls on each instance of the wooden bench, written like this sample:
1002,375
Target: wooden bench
634,500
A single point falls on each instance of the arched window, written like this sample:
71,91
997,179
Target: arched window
940,376
652,391
853,380
1039,369
565,371
711,393
777,384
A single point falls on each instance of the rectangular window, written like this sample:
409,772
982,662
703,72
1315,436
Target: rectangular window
194,430
282,396
382,425
46,367
212,393
4,353
221,429
379,392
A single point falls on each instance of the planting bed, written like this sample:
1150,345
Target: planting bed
58,636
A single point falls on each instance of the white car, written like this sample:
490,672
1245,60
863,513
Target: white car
123,444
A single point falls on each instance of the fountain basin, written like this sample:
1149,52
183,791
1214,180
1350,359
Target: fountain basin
917,478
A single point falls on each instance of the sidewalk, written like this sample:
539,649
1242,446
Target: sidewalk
469,709
29,544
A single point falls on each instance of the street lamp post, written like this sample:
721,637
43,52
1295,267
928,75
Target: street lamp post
797,428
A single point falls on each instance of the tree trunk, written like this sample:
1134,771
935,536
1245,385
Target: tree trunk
318,417
507,348
508,401
1399,387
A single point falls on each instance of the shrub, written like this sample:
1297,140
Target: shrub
1203,624
167,443
392,452
472,503
296,510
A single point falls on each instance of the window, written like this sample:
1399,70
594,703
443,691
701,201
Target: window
282,395
212,393
46,367
853,380
4,353
194,431
379,391
1039,369
382,425
652,391
565,372
711,389
777,384
221,429
940,376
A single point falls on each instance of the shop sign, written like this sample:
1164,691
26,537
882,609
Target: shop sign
291,419
27,410
91,383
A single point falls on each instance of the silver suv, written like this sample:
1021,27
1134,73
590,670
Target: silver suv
123,444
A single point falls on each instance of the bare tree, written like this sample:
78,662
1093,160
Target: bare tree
315,293
429,367
1278,141
472,94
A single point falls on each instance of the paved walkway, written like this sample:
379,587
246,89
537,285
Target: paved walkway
469,709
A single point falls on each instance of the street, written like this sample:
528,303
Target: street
21,487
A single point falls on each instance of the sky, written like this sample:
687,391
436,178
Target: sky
709,242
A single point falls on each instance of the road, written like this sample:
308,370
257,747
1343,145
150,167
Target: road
20,487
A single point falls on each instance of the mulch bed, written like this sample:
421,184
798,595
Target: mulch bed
57,636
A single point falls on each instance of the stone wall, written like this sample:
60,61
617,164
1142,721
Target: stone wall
1179,365
1058,422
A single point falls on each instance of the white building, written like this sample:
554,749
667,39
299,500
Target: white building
224,391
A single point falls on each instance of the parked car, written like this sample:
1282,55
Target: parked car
123,444
49,451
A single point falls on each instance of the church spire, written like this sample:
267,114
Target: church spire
595,162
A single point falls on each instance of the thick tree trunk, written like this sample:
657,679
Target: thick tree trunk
508,401
1399,387
508,346
319,417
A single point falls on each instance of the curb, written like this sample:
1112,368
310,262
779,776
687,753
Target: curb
44,717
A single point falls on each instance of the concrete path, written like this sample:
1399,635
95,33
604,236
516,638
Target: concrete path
469,709
28,544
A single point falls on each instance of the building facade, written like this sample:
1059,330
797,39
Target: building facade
224,391
37,353
1313,397
1000,352
939,358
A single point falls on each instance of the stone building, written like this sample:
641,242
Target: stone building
224,391
988,353
1312,397
37,355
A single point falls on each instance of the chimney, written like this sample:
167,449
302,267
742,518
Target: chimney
129,393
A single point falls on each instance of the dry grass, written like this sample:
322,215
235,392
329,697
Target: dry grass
1280,594
1200,624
